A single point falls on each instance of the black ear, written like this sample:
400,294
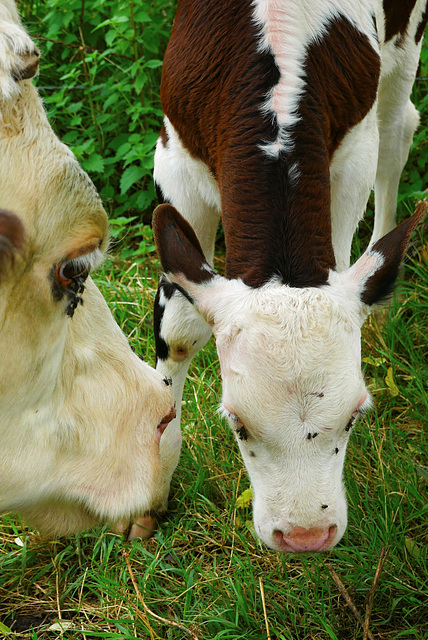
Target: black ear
12,237
178,247
391,249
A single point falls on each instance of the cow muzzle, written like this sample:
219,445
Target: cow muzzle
300,540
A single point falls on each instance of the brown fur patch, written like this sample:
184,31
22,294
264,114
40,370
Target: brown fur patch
397,14
215,81
178,246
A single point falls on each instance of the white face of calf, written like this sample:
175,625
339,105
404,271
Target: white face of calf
81,416
292,382
292,389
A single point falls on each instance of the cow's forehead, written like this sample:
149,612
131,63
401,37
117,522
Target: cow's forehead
72,209
290,327
54,197
293,354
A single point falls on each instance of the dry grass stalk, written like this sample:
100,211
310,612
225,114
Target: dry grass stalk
149,611
262,591
369,605
348,600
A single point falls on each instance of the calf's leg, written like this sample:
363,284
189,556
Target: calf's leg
398,119
180,331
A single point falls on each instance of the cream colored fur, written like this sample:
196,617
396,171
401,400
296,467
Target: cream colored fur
78,410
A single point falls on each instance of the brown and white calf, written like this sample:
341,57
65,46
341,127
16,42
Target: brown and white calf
282,115
80,414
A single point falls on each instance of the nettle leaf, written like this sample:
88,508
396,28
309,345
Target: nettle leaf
123,150
130,176
93,163
142,16
112,21
117,225
110,36
145,198
140,81
153,64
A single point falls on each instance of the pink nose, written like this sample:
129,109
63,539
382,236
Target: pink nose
301,540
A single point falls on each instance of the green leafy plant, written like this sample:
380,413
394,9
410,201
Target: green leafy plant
99,78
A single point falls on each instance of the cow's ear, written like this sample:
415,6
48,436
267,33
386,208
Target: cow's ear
373,276
20,57
184,264
12,238
27,65
178,247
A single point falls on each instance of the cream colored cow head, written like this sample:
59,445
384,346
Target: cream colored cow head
81,415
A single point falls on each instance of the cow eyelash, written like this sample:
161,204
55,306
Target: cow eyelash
240,430
359,411
225,413
81,266
352,421
68,278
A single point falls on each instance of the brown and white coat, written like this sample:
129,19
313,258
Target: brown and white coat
281,115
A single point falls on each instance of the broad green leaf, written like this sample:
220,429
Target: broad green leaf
93,163
130,176
153,64
140,81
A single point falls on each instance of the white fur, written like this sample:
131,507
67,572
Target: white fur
198,188
352,176
397,120
78,410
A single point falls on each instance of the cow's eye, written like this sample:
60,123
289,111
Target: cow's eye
364,404
73,269
68,278
358,412
237,424
351,421
77,269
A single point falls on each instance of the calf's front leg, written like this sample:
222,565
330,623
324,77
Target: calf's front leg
180,332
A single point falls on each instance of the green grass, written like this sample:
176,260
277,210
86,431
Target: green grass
205,570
